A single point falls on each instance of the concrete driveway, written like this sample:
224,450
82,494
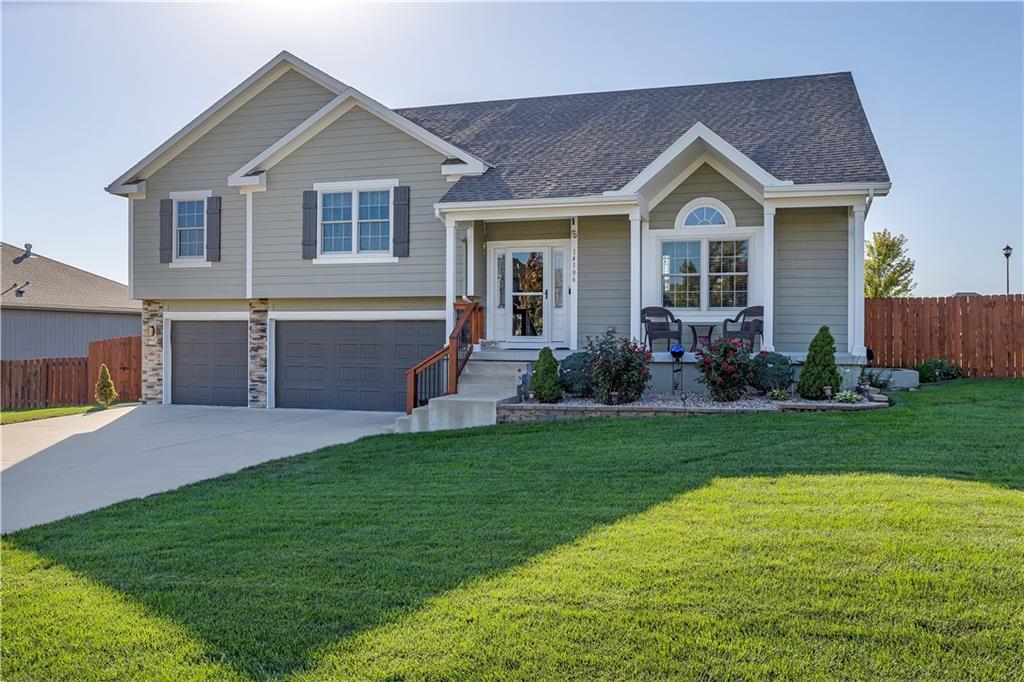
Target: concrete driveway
53,468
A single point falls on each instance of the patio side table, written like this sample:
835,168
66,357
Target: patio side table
701,334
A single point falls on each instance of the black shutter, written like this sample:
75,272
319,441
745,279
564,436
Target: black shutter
213,229
401,220
309,224
166,230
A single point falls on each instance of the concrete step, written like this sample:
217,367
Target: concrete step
487,389
402,424
419,420
462,412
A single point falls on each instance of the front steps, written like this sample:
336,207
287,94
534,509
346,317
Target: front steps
483,385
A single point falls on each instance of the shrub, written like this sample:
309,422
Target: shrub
618,369
105,392
848,397
939,369
878,379
544,382
724,367
778,394
574,374
771,371
819,368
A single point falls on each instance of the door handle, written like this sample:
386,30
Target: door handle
545,294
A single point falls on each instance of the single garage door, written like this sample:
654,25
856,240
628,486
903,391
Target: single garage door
209,363
349,365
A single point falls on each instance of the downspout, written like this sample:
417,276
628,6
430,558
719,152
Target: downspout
867,204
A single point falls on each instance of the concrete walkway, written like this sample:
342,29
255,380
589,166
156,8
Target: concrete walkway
53,468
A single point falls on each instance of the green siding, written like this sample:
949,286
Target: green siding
811,265
206,165
707,182
603,296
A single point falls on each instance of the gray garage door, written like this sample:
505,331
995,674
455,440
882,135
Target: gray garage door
349,365
209,363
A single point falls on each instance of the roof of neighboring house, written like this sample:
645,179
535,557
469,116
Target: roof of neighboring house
58,286
804,129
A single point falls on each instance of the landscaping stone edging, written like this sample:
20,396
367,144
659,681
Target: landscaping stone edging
526,412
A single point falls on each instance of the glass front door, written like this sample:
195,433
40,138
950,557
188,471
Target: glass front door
529,293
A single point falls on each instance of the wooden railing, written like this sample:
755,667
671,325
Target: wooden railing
439,374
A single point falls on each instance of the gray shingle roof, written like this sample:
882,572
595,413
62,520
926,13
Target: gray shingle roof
59,286
807,129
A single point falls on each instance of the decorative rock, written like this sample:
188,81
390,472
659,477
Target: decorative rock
152,352
258,315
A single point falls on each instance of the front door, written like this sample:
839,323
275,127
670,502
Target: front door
529,294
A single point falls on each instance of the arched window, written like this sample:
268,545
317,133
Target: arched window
704,215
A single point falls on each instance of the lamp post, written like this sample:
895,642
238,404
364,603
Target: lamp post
1007,251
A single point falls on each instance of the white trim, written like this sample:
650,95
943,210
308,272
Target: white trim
851,308
698,131
220,110
330,113
191,262
768,279
720,206
828,189
248,243
470,260
355,185
191,195
574,250
356,315
166,350
353,259
131,248
355,188
857,294
635,282
207,315
528,209
271,361
450,250
754,192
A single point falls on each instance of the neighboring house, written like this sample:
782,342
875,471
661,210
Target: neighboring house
299,244
49,309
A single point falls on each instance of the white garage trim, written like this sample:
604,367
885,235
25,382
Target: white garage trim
206,316
357,315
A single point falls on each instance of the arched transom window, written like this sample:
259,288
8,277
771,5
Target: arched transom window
704,215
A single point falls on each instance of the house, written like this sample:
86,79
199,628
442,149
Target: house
300,244
49,309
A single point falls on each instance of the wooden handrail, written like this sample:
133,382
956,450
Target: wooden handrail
456,354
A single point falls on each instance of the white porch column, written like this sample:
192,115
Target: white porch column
450,252
857,292
574,249
470,261
768,265
634,275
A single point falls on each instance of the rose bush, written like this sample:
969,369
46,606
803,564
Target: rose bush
619,370
724,366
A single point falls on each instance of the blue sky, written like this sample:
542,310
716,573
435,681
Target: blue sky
89,89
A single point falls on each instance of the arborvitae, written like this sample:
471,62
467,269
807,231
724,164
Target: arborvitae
105,391
544,383
819,368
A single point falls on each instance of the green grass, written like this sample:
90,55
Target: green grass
30,415
884,544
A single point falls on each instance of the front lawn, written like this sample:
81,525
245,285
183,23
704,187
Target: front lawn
32,414
886,544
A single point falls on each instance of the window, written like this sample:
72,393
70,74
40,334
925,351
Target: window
680,274
706,266
189,221
727,274
355,221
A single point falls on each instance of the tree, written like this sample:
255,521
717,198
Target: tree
544,383
105,391
819,368
888,271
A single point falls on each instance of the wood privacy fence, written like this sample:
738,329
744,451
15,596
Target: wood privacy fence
55,382
984,334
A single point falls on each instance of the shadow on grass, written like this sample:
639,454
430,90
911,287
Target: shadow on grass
277,561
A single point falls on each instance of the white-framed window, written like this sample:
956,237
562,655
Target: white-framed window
355,221
189,216
706,260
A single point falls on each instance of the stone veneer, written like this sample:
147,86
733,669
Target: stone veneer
258,352
152,352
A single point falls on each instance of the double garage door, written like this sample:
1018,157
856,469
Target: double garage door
322,364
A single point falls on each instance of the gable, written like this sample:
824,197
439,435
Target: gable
208,161
706,182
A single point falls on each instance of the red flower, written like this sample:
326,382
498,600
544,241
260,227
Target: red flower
718,380
750,375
